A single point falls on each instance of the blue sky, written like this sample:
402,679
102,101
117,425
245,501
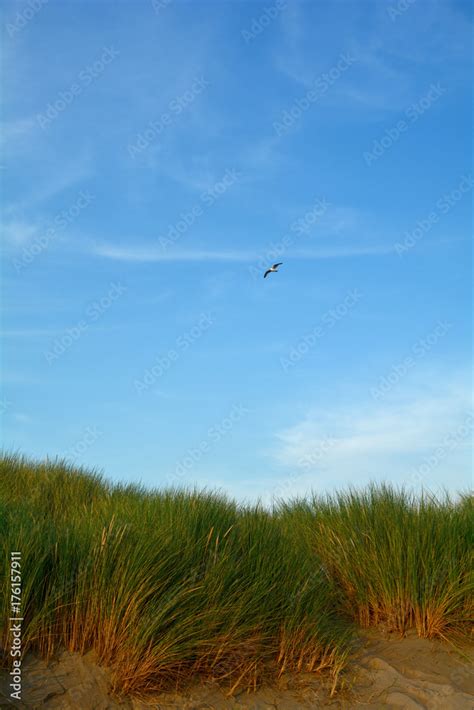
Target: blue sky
156,157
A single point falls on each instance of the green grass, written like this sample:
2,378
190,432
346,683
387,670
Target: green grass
165,585
401,561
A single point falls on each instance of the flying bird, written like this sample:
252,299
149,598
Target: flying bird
272,269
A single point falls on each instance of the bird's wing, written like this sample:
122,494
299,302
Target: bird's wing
275,265
266,273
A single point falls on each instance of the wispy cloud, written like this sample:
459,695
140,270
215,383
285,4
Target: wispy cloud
21,417
383,80
16,130
17,233
63,177
291,60
51,332
28,333
343,252
151,254
373,441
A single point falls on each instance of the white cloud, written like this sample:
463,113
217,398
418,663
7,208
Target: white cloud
382,79
346,445
63,177
343,252
21,418
17,130
289,58
18,233
151,254
28,333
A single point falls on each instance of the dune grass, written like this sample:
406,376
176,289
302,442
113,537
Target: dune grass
163,585
166,585
402,561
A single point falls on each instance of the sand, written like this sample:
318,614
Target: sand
386,672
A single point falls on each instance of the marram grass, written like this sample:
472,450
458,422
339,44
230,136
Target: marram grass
400,560
168,585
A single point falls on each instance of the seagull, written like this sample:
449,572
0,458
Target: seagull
272,269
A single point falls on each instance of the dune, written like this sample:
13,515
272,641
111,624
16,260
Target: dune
385,672
139,598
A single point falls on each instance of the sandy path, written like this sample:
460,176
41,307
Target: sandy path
408,673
